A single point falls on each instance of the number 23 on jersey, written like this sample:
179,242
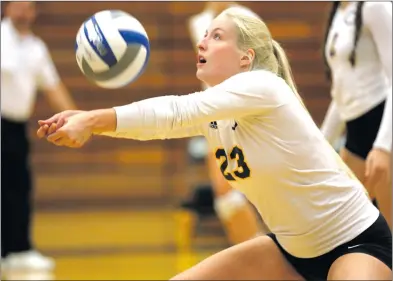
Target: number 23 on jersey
242,170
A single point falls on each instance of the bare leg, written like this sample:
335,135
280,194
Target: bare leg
255,259
359,266
383,194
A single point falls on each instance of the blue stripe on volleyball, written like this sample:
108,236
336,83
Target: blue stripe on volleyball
132,37
107,55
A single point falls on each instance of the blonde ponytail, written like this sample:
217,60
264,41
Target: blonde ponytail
284,68
254,34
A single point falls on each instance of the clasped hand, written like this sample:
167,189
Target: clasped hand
68,128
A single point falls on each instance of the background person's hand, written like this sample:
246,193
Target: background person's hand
378,167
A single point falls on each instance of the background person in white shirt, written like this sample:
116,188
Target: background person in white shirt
323,224
25,67
358,55
232,207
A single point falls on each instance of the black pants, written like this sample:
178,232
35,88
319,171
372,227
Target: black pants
362,131
16,187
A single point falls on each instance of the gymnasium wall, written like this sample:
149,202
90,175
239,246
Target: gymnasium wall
113,171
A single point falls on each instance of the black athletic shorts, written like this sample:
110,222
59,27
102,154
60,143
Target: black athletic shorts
375,241
362,131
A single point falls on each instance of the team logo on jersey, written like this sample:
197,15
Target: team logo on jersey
234,126
213,125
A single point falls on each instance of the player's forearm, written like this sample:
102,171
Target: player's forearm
101,120
129,120
123,119
146,120
164,114
167,114
384,137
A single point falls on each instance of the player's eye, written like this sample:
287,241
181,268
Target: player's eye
217,36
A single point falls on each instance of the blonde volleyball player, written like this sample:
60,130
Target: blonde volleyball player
358,54
232,207
267,146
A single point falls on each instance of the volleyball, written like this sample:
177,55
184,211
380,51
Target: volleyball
112,49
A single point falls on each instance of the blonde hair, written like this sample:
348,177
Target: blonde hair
269,55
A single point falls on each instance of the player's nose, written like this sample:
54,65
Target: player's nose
202,46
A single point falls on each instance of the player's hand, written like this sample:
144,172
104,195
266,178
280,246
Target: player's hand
74,133
55,122
378,165
46,130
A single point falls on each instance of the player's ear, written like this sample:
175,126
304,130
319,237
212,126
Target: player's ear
247,58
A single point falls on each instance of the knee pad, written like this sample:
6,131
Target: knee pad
229,203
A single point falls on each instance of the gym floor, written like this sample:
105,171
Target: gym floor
122,244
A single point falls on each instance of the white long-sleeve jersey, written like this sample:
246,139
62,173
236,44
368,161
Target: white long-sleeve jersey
356,90
269,148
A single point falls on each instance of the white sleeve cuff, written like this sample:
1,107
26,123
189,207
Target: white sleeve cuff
125,118
384,144
384,137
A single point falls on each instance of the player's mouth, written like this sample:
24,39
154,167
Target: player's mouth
201,60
